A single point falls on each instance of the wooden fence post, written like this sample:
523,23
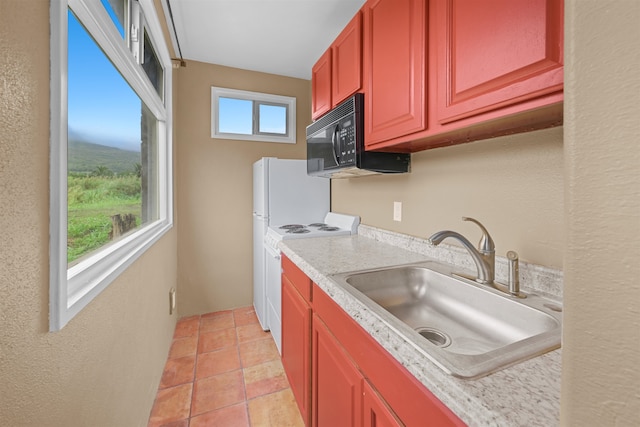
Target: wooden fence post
121,224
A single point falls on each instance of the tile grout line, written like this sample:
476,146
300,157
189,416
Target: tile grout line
195,367
244,382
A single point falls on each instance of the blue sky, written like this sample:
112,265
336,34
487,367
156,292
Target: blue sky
236,116
102,107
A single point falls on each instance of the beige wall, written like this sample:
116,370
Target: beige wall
214,180
601,334
104,367
512,184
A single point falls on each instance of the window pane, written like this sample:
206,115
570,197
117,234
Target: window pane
152,66
235,116
117,10
272,119
112,151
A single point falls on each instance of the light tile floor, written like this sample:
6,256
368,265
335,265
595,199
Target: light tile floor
224,370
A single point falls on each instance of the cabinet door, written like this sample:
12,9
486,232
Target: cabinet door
394,69
376,412
296,345
297,278
337,384
496,53
346,77
321,86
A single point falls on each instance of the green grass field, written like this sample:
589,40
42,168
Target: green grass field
92,200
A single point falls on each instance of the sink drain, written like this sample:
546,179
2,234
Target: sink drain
434,336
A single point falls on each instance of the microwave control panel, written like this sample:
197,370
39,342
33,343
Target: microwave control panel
347,137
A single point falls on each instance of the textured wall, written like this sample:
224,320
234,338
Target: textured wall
601,336
104,367
512,184
214,181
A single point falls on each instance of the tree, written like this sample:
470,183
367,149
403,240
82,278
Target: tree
102,171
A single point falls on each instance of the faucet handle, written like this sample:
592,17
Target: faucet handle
486,244
514,273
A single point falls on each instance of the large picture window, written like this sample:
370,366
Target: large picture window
110,145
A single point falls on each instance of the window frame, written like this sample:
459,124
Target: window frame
258,99
72,289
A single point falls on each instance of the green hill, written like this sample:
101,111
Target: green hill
85,157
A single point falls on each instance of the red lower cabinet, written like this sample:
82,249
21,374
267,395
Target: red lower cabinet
296,345
340,376
375,411
336,382
400,395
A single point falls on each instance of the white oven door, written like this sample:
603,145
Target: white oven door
274,293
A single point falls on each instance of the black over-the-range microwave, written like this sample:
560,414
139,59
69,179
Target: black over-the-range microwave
335,145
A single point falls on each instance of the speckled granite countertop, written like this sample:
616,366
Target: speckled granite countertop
526,394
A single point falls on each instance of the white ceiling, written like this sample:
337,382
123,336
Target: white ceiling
284,37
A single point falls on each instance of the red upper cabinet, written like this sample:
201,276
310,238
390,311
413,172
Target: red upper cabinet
497,53
395,33
338,73
321,86
347,61
444,72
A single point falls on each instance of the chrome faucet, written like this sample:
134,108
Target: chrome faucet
484,257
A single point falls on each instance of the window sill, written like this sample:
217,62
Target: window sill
86,280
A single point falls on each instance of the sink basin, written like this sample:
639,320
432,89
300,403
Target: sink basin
467,329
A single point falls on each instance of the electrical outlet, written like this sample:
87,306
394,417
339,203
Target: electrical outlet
172,301
397,211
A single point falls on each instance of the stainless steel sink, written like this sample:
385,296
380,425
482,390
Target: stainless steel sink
468,329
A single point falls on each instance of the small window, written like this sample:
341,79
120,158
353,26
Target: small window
252,116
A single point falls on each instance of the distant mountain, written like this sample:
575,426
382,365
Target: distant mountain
85,157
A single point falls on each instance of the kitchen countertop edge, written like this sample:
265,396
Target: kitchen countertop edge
525,394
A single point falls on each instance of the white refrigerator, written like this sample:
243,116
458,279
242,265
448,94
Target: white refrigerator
283,194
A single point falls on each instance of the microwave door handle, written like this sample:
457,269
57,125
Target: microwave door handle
335,142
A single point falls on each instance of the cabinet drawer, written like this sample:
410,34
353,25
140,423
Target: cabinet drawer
298,279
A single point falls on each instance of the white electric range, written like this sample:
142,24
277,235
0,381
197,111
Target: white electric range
334,224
